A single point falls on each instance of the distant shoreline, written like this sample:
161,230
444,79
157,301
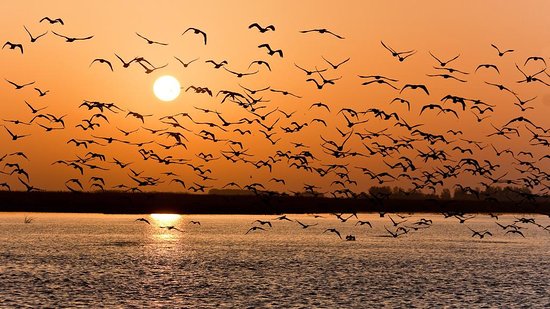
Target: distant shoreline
162,202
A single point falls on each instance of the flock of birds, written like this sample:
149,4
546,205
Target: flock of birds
427,160
397,226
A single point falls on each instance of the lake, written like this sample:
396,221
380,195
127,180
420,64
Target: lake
96,260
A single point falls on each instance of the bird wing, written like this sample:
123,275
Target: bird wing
386,47
61,35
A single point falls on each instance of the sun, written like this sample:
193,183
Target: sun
166,88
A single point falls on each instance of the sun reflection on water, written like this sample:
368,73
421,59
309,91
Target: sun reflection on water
166,219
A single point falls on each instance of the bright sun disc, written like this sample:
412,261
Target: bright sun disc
166,88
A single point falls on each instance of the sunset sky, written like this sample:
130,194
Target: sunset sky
446,29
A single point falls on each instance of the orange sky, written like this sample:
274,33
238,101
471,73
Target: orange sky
446,29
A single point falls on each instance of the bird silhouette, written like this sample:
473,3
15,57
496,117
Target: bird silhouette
254,228
305,226
323,31
361,223
125,64
151,42
515,232
186,64
100,60
40,92
535,58
52,20
501,53
17,86
335,231
271,51
444,63
13,46
337,65
400,55
260,28
488,66
480,234
72,39
217,65
260,62
15,137
415,86
32,38
196,31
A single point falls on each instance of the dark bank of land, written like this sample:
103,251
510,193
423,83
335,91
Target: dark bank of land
157,202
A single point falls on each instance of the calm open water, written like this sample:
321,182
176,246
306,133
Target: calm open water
94,260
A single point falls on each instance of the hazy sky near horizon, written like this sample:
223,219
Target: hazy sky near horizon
446,29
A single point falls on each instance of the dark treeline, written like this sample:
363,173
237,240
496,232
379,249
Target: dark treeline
490,194
379,199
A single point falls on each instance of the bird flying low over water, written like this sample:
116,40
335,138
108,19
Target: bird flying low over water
143,220
254,228
335,231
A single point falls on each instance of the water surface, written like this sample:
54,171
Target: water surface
94,260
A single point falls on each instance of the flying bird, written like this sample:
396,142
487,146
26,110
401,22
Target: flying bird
100,60
415,86
217,65
33,39
305,226
186,64
401,55
196,31
501,53
260,62
143,220
254,228
72,39
13,46
322,31
444,63
52,21
488,66
535,58
335,66
151,42
264,223
17,86
15,137
271,51
125,64
260,28
40,92
335,231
